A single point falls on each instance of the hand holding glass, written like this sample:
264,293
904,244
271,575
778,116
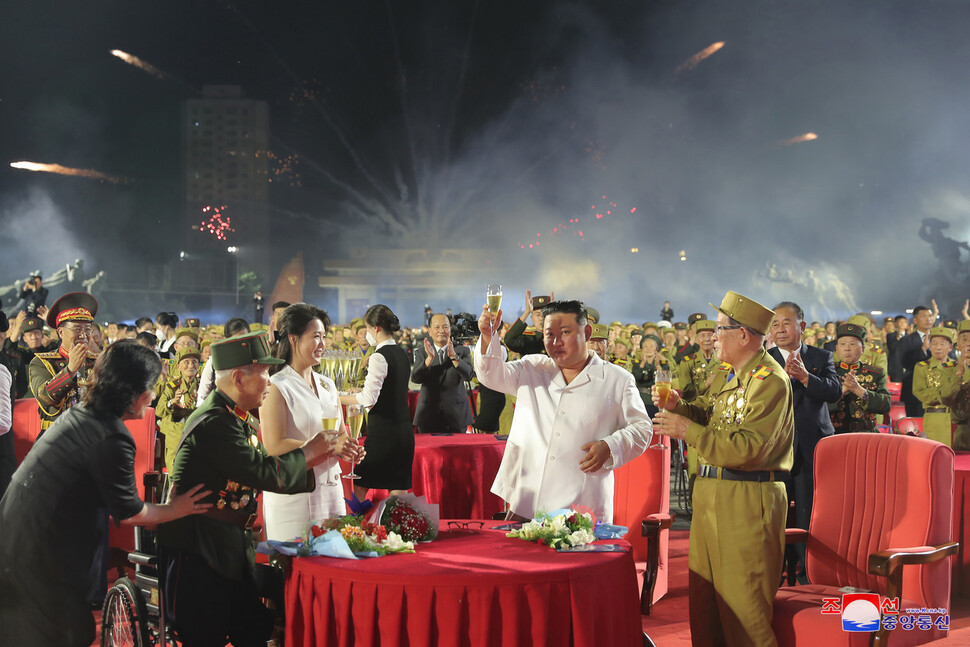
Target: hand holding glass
493,296
355,420
662,384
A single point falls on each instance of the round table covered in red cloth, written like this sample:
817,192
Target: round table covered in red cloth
456,472
472,588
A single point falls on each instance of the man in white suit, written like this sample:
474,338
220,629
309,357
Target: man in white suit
576,418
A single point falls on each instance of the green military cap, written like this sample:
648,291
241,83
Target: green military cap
73,306
680,325
746,311
256,327
32,323
600,331
357,326
940,331
218,329
244,350
205,342
635,331
950,323
695,317
705,324
657,340
668,330
859,320
964,326
193,322
888,320
542,301
851,330
353,322
623,340
187,332
187,352
616,323
592,315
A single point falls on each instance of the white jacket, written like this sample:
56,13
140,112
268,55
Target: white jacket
540,469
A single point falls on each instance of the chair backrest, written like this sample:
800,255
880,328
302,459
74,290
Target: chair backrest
875,492
910,426
896,412
895,389
143,431
25,427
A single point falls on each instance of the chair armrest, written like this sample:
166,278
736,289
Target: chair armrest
653,524
795,536
889,563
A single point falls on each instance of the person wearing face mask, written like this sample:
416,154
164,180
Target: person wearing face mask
390,437
299,399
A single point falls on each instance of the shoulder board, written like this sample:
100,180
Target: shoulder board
878,349
761,372
173,383
51,355
692,356
950,363
875,370
724,366
924,363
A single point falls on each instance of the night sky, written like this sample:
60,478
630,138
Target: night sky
464,124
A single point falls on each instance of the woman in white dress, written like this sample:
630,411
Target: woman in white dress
297,402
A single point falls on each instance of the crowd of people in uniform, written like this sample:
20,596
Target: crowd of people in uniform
259,394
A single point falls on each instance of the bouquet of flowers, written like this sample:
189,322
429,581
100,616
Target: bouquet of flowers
561,528
409,516
348,537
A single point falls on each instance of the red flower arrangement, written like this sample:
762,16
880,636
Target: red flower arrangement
401,517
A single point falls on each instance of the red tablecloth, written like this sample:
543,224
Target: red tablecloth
474,589
961,523
456,472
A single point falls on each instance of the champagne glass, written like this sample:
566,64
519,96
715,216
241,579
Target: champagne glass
355,420
493,296
330,429
662,383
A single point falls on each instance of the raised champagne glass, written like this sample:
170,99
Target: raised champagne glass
330,428
662,384
355,420
493,296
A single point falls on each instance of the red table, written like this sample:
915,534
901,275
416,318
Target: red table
476,589
961,523
456,472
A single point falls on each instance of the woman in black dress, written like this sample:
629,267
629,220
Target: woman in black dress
54,516
390,436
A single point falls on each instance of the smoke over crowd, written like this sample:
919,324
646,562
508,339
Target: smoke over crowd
509,128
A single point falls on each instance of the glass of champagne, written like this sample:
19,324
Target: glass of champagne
493,296
355,420
662,384
330,429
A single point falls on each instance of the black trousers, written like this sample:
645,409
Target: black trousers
207,609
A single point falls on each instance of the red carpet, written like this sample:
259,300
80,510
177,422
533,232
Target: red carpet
668,624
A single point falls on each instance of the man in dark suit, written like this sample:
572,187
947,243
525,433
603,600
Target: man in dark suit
913,349
441,368
814,384
900,328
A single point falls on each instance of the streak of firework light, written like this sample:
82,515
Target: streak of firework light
67,170
218,223
284,168
807,137
140,64
693,61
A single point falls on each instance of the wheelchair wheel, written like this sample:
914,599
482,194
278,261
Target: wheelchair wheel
124,620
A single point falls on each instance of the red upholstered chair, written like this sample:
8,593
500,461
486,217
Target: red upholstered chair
25,427
896,412
910,427
882,522
143,431
895,389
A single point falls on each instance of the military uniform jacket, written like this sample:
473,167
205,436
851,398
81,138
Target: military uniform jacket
693,372
52,384
936,384
177,412
224,453
623,362
852,413
645,376
524,340
749,424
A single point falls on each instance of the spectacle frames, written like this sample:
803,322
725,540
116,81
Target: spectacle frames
721,329
80,331
466,526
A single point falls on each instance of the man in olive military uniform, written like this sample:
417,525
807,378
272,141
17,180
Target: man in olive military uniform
598,339
522,338
864,392
745,436
645,370
692,346
874,352
177,401
936,383
207,560
697,372
960,408
56,378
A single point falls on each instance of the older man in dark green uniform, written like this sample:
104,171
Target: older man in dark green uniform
864,392
744,435
208,559
937,382
57,378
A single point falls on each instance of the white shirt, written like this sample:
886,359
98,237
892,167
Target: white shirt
553,420
376,372
6,406
207,382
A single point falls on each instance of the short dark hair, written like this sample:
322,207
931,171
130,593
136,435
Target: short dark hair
147,339
281,304
919,309
382,316
898,317
295,320
791,305
141,321
124,371
236,326
167,319
577,308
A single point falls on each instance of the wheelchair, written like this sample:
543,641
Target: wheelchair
133,612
